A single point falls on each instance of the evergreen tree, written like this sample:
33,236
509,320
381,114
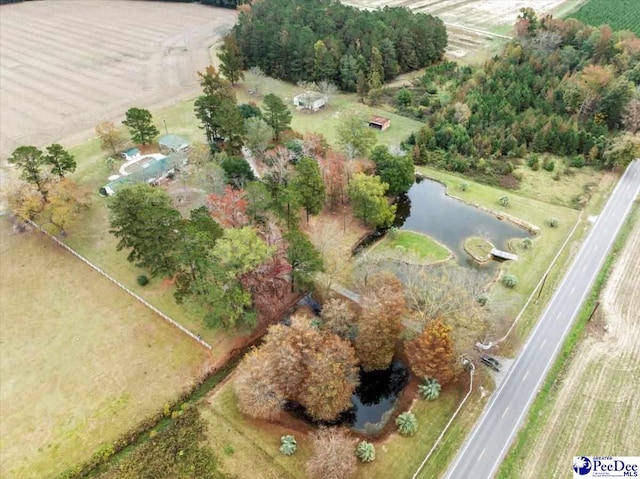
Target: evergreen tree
276,114
310,185
231,60
61,161
396,171
141,127
30,161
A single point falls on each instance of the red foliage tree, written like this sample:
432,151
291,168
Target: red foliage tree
431,354
229,208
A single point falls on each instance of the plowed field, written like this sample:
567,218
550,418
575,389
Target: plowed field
596,410
66,65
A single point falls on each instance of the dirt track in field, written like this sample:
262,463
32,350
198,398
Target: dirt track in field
66,65
596,410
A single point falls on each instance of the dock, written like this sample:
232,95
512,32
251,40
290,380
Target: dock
503,254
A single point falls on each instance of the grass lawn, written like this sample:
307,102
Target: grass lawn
257,442
478,248
568,190
415,248
81,361
325,120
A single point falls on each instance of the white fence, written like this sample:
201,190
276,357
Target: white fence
122,286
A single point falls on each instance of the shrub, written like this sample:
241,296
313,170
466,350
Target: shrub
483,299
533,162
407,424
288,445
509,280
527,243
404,97
577,161
556,177
504,201
548,165
394,232
464,186
552,222
366,451
229,450
143,280
429,389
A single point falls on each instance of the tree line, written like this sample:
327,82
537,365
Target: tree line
315,40
559,87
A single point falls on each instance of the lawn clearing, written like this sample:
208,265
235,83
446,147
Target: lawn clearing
81,361
257,442
412,247
571,187
325,120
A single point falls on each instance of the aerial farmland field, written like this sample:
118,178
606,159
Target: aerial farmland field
81,361
472,24
68,65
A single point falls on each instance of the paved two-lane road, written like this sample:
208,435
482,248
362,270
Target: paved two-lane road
494,432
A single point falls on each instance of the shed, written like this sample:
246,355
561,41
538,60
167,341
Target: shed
173,144
310,100
131,154
379,123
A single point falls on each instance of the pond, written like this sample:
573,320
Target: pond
372,400
427,209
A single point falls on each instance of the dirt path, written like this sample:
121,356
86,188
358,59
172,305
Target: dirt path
596,409
69,64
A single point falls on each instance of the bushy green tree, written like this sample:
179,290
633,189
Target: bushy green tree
30,161
231,60
145,222
140,124
309,184
368,197
304,258
61,161
354,136
276,114
397,171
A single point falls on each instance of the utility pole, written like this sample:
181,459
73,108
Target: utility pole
544,280
165,126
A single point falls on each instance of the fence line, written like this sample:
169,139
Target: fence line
123,287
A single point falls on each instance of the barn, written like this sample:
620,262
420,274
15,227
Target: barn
379,123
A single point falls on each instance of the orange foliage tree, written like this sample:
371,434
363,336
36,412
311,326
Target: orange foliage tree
380,323
431,354
229,208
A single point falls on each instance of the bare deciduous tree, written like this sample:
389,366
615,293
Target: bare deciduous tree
333,455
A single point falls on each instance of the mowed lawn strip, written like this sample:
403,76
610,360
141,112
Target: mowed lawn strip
257,442
409,245
81,361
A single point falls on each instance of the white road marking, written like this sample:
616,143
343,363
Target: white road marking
482,453
525,376
505,412
573,289
543,343
584,268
